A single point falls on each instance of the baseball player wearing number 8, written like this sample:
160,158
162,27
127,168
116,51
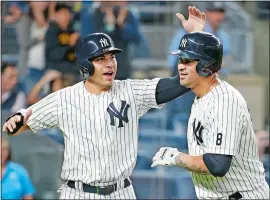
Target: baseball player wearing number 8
99,118
223,155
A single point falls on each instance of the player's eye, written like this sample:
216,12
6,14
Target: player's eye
100,59
185,61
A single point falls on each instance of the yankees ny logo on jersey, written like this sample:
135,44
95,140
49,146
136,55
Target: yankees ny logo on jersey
197,131
183,43
122,115
103,42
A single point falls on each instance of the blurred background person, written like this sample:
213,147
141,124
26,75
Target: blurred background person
18,15
12,97
60,41
115,19
15,181
39,16
262,138
52,81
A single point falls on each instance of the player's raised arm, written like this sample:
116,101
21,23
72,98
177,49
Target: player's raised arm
170,88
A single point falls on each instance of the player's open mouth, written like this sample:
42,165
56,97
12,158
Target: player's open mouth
183,74
108,74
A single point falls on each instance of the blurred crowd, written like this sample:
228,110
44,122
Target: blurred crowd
47,33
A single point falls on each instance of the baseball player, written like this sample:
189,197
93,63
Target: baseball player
223,155
99,118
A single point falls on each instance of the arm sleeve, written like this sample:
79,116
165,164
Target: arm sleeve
44,113
228,120
217,164
169,89
144,92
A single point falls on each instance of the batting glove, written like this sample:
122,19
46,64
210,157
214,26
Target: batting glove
165,156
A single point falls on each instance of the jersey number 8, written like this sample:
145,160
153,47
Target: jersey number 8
219,139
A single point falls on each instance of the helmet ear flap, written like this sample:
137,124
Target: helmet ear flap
86,68
204,69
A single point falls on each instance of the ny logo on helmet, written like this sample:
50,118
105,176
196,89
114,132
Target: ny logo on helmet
183,43
103,42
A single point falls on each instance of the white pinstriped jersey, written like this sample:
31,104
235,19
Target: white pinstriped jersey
220,123
100,131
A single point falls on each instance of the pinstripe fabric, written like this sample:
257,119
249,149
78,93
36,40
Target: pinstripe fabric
98,149
226,126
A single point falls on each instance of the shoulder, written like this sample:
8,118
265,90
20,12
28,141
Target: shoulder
226,93
18,168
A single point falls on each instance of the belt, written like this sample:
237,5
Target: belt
99,190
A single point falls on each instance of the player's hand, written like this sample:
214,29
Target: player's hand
165,156
14,121
196,19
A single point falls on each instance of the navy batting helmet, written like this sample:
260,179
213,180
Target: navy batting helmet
90,47
204,47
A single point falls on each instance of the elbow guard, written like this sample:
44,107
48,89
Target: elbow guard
217,164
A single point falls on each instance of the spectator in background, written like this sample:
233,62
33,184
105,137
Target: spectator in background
52,81
39,15
262,138
60,41
16,183
116,20
215,13
18,15
13,99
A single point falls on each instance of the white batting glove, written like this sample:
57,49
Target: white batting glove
165,156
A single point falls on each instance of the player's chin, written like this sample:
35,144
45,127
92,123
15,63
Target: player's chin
108,83
184,83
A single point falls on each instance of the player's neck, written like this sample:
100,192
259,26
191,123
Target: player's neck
206,86
95,88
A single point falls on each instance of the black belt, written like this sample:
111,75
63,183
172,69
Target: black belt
106,190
